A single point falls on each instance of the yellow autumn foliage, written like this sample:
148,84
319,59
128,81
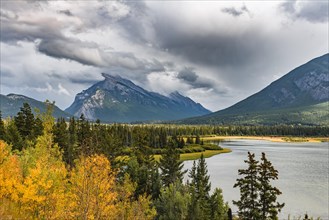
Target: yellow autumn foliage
92,192
41,192
46,190
10,175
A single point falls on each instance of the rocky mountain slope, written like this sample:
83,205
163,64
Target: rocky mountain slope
301,96
11,104
116,99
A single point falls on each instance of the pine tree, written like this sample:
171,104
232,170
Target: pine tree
170,165
219,209
173,202
61,137
257,196
269,208
142,167
25,121
203,188
248,204
84,136
73,150
200,207
2,128
13,136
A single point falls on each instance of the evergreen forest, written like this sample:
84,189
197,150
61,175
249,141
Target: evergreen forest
77,169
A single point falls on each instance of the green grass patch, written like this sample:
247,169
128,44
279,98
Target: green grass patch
295,139
197,155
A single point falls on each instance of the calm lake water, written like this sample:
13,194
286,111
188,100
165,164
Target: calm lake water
303,173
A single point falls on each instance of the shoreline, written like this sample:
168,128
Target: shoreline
270,138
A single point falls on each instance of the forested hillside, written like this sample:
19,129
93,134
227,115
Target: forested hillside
83,170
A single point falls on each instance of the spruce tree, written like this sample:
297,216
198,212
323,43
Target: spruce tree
73,150
2,128
143,168
269,208
257,196
13,136
61,137
170,165
24,121
248,204
219,209
194,205
84,136
173,202
203,188
200,207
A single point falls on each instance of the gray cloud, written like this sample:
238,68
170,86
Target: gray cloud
215,49
188,75
65,12
51,41
6,73
312,11
235,12
216,54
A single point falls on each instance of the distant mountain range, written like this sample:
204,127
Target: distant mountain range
11,104
116,99
299,97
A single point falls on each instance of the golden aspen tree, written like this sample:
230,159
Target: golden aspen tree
92,192
41,193
10,176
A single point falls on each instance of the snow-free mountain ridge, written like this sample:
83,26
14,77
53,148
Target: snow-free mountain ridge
10,105
299,97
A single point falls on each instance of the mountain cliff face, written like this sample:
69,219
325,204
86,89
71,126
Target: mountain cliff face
116,99
11,104
301,96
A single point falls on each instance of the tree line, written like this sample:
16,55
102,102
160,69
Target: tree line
76,170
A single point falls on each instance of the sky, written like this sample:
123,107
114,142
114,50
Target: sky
215,52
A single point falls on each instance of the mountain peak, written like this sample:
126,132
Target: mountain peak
16,96
116,99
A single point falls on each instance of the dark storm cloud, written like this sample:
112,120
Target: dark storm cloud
65,12
79,80
214,49
188,75
312,11
235,12
51,42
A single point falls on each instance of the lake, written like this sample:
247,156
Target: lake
303,173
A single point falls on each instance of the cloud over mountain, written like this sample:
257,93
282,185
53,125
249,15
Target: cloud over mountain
216,52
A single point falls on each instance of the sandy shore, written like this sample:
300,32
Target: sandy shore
269,138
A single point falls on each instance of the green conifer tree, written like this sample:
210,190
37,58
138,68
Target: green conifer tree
61,137
219,209
170,165
2,128
13,136
248,204
173,202
200,207
73,150
203,188
269,208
